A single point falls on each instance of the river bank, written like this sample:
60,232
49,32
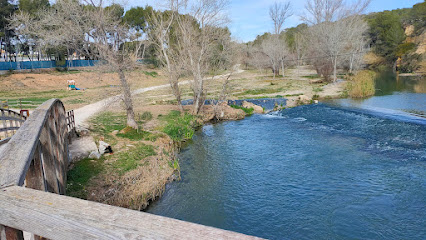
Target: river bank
143,161
153,163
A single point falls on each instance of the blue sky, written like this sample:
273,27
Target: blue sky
250,18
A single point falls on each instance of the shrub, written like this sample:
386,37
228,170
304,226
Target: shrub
146,116
362,84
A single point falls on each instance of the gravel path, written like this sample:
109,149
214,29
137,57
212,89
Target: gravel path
84,113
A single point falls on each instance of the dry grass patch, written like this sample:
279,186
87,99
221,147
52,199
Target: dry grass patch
362,84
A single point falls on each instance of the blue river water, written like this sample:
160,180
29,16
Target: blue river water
325,171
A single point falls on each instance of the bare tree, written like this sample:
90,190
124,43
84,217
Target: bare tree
279,12
160,35
333,25
89,28
274,48
199,31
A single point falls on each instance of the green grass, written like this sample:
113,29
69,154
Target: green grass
152,74
318,89
260,91
293,95
134,134
248,111
107,122
33,100
131,159
311,76
179,126
79,176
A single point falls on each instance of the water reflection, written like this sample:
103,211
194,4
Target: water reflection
393,92
388,83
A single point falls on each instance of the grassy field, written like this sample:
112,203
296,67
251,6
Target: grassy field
33,88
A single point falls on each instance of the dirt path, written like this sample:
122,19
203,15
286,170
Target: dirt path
84,113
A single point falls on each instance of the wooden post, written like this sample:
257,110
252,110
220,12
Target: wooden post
8,233
4,123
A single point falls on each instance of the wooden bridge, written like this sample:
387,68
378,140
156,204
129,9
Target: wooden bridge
33,173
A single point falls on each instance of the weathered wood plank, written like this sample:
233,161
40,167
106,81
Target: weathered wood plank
60,217
4,141
35,176
16,156
48,160
4,122
6,129
17,118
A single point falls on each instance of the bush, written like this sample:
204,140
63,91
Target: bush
179,126
362,84
146,116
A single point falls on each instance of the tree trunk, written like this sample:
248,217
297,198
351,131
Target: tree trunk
335,69
143,52
127,100
282,67
395,64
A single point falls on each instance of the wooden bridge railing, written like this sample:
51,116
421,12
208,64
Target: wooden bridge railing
10,123
33,168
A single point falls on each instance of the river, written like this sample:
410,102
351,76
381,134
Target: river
344,169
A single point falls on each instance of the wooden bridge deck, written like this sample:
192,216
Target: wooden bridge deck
33,167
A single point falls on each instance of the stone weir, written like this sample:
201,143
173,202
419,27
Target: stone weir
267,103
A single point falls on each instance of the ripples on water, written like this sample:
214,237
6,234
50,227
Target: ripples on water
311,172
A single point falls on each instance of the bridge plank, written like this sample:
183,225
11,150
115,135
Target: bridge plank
60,217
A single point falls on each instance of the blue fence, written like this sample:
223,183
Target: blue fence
4,66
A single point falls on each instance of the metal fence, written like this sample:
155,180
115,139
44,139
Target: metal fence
5,66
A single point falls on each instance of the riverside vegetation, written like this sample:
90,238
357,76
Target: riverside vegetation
142,163
361,84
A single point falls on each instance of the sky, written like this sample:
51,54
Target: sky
250,18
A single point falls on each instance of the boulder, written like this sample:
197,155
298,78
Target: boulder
81,147
257,109
95,155
229,113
